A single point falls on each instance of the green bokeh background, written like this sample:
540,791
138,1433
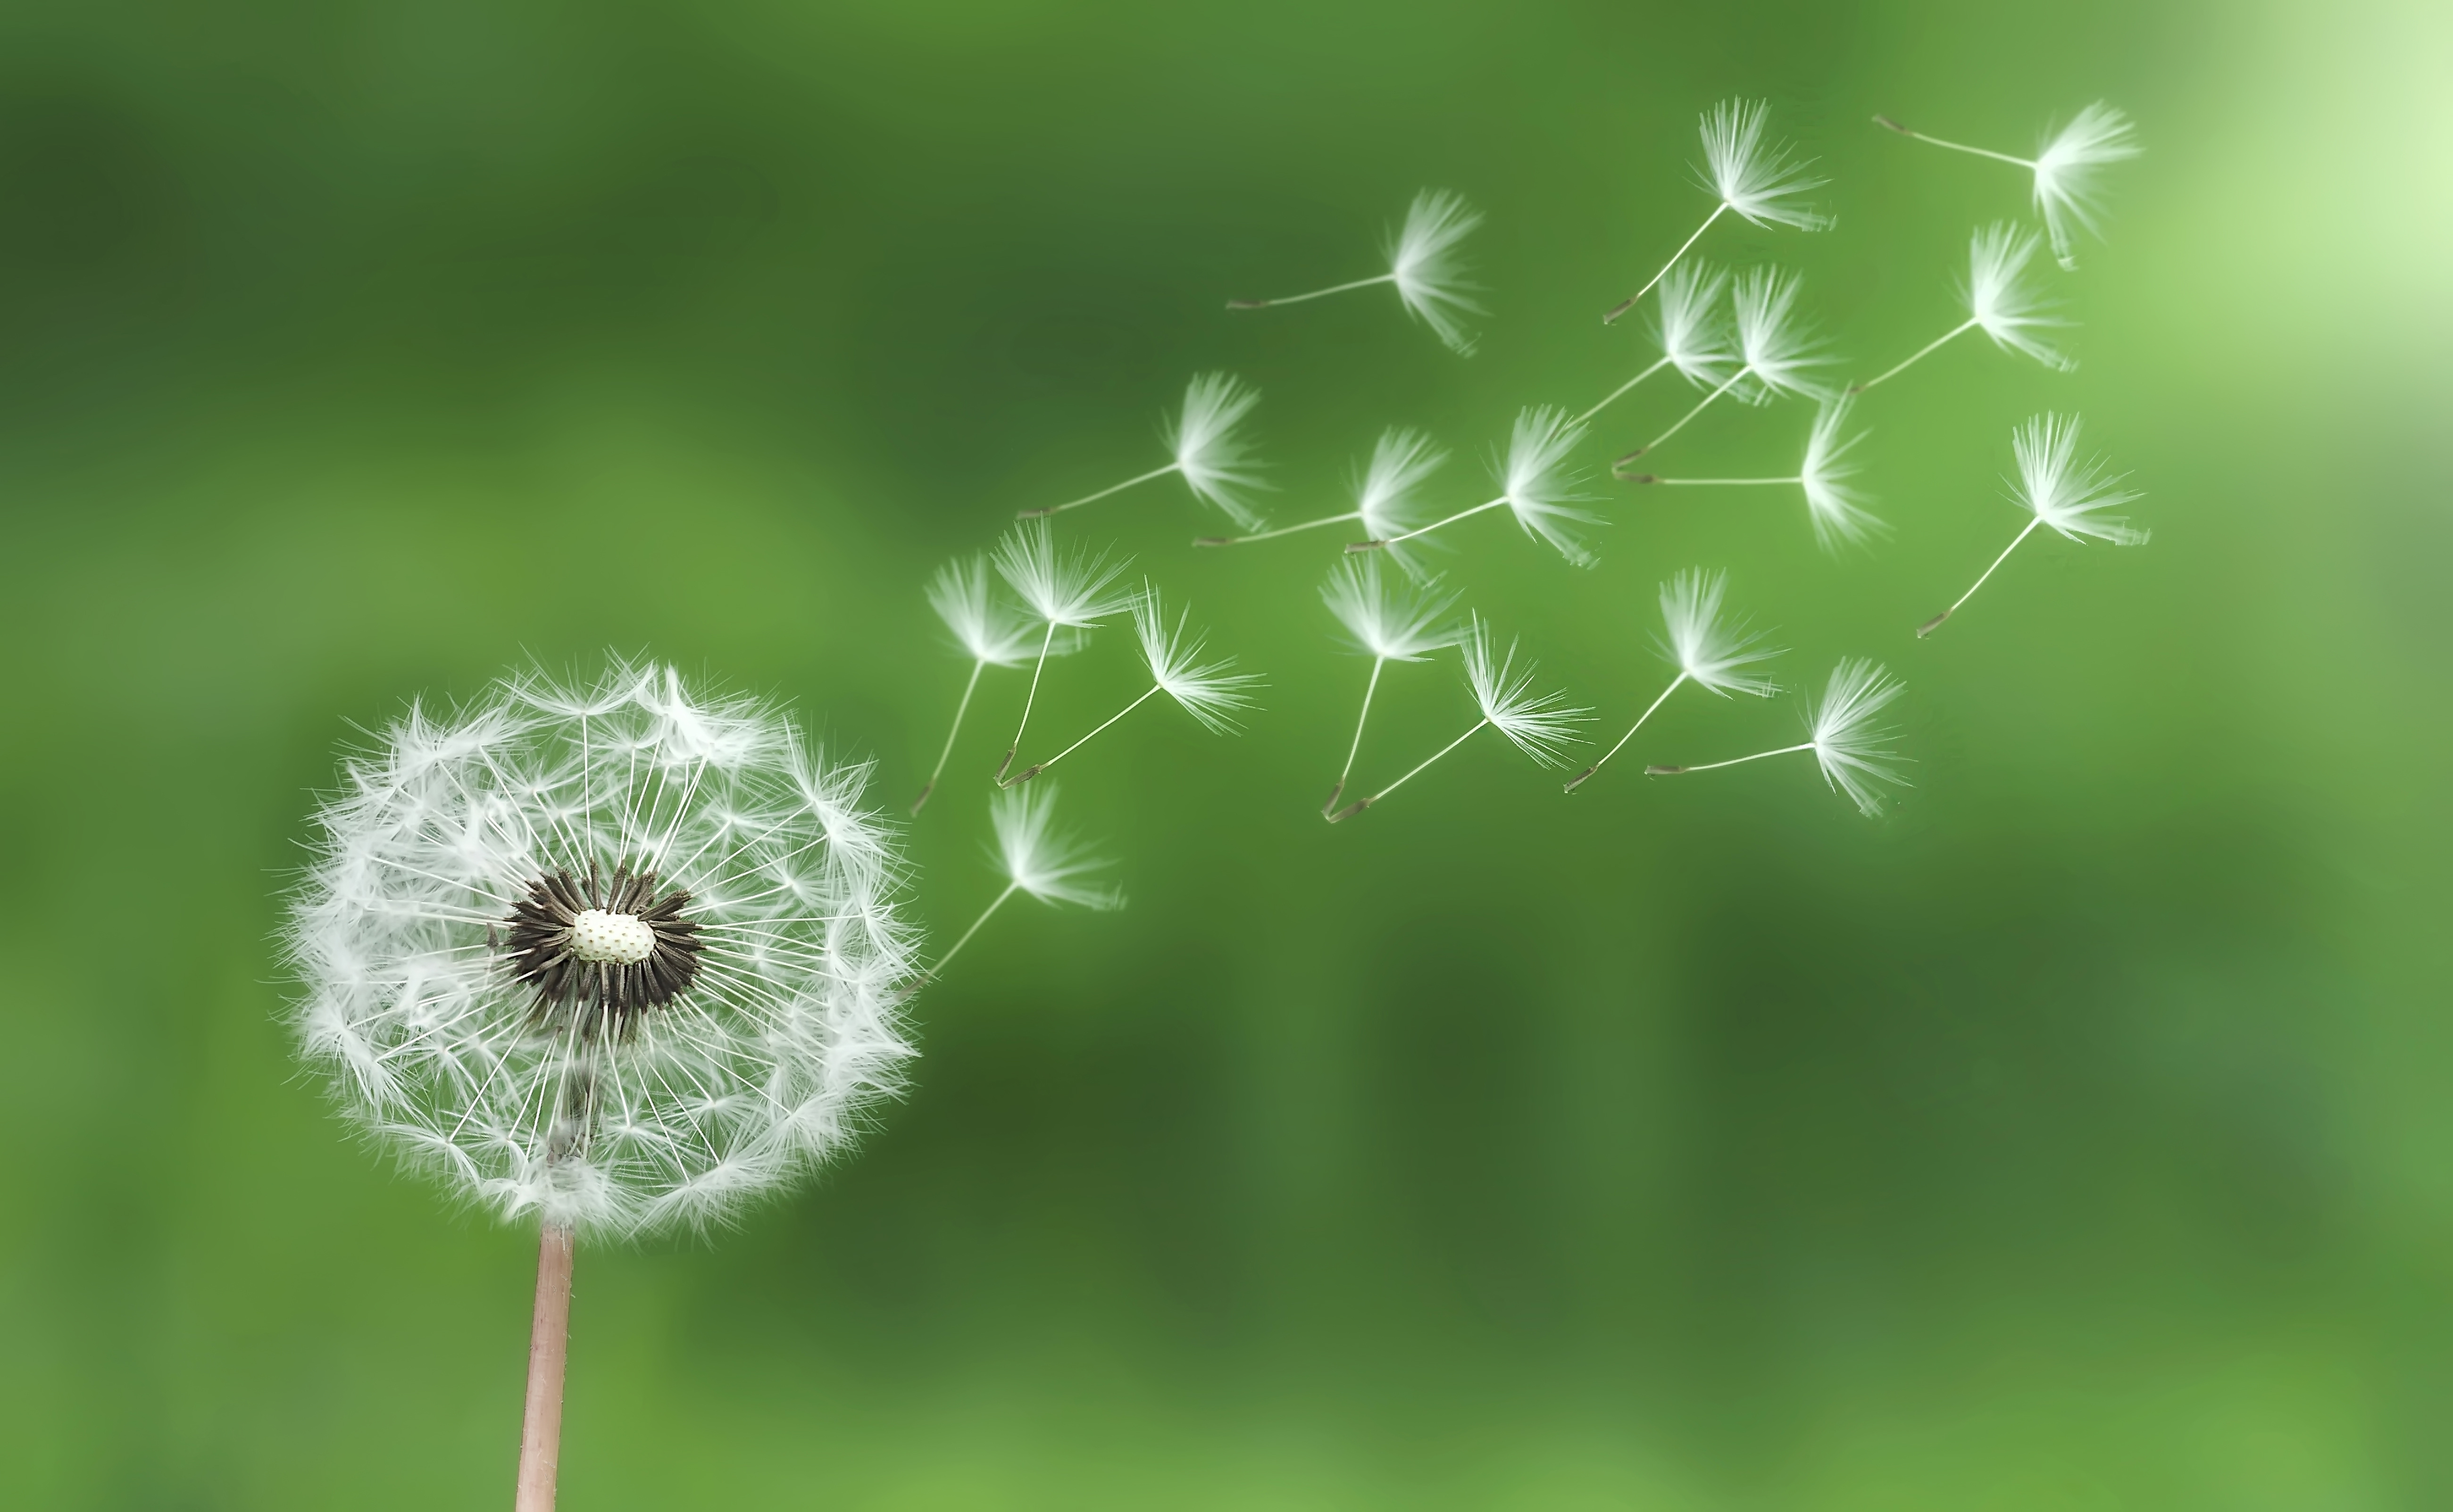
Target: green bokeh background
2074,1136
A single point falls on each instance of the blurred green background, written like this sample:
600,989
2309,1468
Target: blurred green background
2074,1136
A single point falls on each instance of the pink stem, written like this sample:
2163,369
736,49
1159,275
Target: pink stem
548,1351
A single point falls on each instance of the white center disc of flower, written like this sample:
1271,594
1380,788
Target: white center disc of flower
621,938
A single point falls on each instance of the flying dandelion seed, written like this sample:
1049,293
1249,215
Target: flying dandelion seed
1853,754
989,633
2000,303
1388,624
1688,327
1835,506
2058,491
1536,487
1069,594
1423,264
2064,170
1386,496
1541,726
1034,859
1213,460
612,956
1712,653
1777,347
1755,180
1212,692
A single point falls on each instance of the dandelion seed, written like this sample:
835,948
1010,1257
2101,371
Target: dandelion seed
1067,592
2000,303
1211,692
2064,168
1049,866
1851,751
1711,653
988,631
1536,487
1385,496
612,956
1836,506
1754,179
1213,460
1389,623
1540,725
2059,492
1775,342
1423,264
1687,328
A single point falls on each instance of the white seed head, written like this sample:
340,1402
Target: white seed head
1754,178
1541,726
986,629
1393,622
1853,752
1836,506
2059,491
2065,188
1688,325
1213,459
1072,589
1712,652
1387,495
1423,263
608,954
1775,341
1539,485
1041,863
2003,303
1211,692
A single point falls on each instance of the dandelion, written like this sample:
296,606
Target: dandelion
1035,860
2063,169
1211,692
1853,753
1999,303
1711,653
1536,486
1755,179
989,631
1067,592
1774,341
1212,459
1423,264
1836,506
1385,496
612,956
1687,328
1540,725
1388,623
2057,491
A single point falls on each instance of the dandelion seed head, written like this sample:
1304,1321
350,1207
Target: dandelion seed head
2064,494
1777,344
1394,622
591,951
1072,589
1541,726
984,629
2001,300
2067,193
1539,485
1755,178
1423,263
1042,862
1211,692
1836,506
1713,652
1688,324
1854,753
1214,460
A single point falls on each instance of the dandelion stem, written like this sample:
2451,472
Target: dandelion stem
548,1353
1932,624
1347,770
1361,804
1956,147
1317,294
1734,761
1630,735
1461,514
960,709
950,952
1621,389
1032,697
1271,535
1030,772
1688,415
1093,498
1919,355
1611,319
